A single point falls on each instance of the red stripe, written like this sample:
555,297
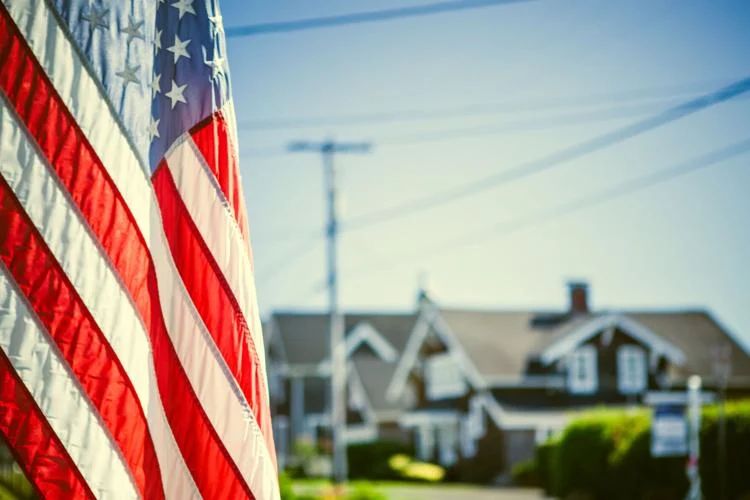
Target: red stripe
213,298
213,138
80,341
34,444
92,189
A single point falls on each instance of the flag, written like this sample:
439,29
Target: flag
131,352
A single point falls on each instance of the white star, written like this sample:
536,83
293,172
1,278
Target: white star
184,6
157,39
218,22
217,65
133,29
155,85
128,74
175,95
179,49
96,18
153,129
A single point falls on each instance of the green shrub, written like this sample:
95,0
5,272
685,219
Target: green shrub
525,473
636,474
607,454
581,460
364,491
286,487
546,461
370,460
736,465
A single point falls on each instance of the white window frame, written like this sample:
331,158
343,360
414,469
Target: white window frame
444,377
584,358
632,370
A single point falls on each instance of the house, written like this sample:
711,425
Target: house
461,384
299,370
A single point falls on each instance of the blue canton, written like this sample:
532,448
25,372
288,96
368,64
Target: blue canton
163,56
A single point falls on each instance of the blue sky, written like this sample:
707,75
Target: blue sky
500,85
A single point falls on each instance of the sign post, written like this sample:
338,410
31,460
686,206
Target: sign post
694,412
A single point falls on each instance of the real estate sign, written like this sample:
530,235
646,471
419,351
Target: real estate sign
669,431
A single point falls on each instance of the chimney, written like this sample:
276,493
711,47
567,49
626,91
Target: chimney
578,292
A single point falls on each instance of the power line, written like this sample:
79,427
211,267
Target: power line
666,92
363,17
610,193
550,161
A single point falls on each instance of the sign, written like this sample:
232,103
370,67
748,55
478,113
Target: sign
669,431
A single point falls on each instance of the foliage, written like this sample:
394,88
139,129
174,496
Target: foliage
13,482
364,491
736,465
545,459
423,471
370,460
408,469
525,473
606,454
286,487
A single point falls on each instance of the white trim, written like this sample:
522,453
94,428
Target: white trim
355,384
443,377
409,357
530,381
634,329
430,318
583,370
456,349
428,417
360,433
632,370
365,332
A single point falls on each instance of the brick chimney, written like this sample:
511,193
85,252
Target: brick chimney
578,292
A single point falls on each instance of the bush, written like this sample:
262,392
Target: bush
607,454
525,473
364,491
405,468
736,464
286,487
370,460
546,460
581,463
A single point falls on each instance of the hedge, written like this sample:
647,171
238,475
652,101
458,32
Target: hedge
370,460
606,454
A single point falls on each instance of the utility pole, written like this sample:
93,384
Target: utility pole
327,149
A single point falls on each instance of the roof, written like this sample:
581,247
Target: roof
499,343
304,336
375,375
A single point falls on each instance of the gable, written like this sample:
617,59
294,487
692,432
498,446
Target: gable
607,325
364,335
431,334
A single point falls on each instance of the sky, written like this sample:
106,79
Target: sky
455,97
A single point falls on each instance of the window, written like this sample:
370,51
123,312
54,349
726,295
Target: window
582,376
444,378
631,369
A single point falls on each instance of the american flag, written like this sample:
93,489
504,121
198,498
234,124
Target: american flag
131,353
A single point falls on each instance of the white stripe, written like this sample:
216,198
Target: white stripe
95,119
64,405
207,207
229,414
67,237
82,97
